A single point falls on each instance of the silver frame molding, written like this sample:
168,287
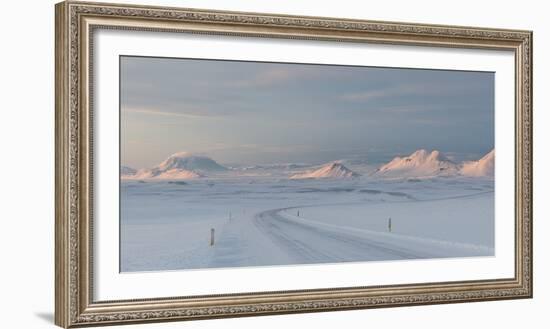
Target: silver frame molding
75,24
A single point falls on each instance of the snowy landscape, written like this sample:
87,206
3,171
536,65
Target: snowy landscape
191,212
227,163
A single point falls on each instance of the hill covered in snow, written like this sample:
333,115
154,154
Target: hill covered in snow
180,165
168,174
127,171
330,170
421,163
187,161
482,167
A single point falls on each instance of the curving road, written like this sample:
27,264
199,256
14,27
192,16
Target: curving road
307,242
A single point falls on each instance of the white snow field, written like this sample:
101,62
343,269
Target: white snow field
261,216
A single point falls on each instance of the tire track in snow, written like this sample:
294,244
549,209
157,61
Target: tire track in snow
314,244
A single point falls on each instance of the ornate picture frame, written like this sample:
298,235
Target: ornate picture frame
76,22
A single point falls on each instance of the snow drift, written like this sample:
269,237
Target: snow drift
330,170
421,163
482,167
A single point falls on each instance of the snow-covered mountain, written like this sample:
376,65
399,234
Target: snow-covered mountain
482,167
330,170
180,165
155,173
127,171
187,161
421,163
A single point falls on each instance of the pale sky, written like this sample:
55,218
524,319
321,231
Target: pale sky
258,113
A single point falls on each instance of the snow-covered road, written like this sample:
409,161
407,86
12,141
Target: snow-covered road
308,241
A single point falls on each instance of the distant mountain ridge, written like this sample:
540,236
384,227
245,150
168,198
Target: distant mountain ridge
329,170
419,164
482,167
127,171
422,163
276,166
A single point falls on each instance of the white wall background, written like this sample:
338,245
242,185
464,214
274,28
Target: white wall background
27,162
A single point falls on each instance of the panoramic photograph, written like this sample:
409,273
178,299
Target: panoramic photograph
228,164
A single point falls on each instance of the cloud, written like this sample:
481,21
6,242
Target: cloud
258,148
407,109
192,114
411,89
264,78
395,91
399,109
364,95
277,75
429,122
